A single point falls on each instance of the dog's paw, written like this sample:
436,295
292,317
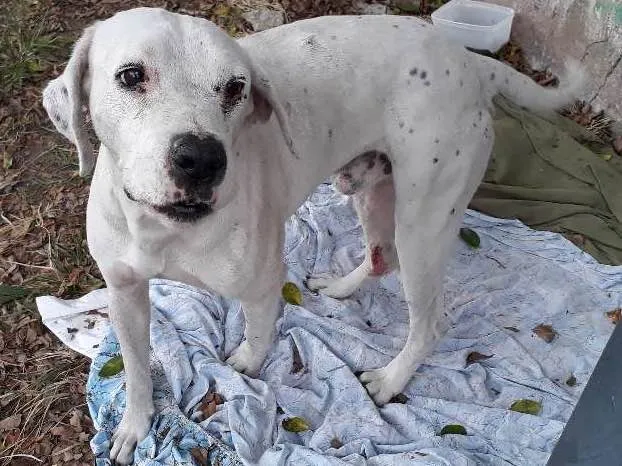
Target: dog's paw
336,288
132,429
383,384
245,360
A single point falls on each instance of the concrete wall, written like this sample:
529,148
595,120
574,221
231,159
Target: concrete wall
589,30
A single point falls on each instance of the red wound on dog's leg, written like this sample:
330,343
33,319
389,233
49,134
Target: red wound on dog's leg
378,265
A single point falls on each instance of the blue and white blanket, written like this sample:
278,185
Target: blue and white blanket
495,296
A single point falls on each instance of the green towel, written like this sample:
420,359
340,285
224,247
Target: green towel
552,175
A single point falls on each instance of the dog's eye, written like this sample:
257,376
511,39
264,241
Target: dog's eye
233,90
131,77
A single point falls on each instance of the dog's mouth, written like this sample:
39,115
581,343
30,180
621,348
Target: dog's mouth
187,210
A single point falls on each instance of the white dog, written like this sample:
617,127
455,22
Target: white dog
209,144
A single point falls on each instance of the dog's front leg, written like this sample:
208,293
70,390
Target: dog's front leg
261,315
130,312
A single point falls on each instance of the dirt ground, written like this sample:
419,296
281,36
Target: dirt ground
43,415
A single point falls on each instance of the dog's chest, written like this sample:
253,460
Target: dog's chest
225,268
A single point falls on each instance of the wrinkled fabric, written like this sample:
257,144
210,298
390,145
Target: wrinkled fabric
495,295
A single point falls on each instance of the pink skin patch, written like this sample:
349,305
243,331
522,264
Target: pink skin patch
378,265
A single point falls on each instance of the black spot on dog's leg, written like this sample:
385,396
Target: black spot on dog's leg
413,72
492,76
305,90
480,115
453,211
435,160
311,41
330,133
401,124
436,141
427,83
457,152
447,72
396,26
423,74
410,131
461,83
65,91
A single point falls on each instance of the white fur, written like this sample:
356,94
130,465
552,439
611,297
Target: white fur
334,88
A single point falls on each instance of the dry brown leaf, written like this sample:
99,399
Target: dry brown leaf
336,443
614,316
75,420
209,403
475,356
63,432
297,365
11,422
200,455
545,332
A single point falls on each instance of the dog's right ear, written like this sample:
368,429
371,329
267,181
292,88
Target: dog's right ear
64,97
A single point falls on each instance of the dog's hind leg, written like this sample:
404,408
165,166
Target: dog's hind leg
430,202
374,205
368,179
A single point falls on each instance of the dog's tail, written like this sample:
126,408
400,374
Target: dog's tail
500,78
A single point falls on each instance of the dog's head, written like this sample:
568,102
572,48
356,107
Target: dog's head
168,95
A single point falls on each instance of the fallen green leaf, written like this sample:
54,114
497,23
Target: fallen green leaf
295,424
453,429
112,367
470,237
526,407
291,294
10,293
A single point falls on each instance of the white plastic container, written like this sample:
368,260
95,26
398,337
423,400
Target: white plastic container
478,25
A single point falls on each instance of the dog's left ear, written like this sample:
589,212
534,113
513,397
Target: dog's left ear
265,101
64,97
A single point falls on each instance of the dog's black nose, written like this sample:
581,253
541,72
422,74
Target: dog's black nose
198,158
